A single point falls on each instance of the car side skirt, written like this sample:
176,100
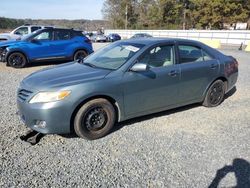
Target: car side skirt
157,110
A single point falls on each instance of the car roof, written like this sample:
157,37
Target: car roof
34,25
155,40
152,40
62,29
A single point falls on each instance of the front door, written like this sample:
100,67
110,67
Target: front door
40,46
155,88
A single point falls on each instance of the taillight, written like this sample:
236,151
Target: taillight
231,67
236,64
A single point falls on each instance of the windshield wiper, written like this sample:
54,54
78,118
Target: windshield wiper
94,66
89,64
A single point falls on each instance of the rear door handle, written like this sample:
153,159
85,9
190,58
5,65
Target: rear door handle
173,73
213,66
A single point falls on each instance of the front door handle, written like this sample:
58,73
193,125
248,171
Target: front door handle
173,73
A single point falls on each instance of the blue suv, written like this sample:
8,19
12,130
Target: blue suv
46,45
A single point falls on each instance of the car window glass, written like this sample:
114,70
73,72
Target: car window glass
118,52
46,35
113,56
190,54
159,56
78,33
62,35
206,56
35,28
22,31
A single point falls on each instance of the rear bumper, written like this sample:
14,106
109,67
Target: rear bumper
232,79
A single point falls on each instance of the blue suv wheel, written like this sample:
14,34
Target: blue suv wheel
17,60
80,55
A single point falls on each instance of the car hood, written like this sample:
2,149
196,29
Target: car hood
9,36
12,43
62,76
5,34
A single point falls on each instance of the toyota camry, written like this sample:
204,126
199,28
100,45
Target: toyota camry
123,80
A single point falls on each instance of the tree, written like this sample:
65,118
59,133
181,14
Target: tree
171,14
214,13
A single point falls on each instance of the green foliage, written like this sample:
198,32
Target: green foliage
7,23
169,14
214,13
89,25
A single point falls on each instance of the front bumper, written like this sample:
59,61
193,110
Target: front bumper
56,115
3,54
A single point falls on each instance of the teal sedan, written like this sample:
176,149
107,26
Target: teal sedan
123,80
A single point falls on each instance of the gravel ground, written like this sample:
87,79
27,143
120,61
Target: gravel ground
184,147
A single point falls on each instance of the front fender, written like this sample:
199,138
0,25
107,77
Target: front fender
117,99
13,49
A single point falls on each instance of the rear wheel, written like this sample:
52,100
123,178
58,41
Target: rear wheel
80,55
94,119
215,94
17,60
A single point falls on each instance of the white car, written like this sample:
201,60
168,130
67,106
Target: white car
98,38
21,31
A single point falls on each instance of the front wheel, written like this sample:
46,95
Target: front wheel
94,119
80,55
215,94
17,60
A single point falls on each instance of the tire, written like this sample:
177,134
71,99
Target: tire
215,94
94,119
79,55
17,60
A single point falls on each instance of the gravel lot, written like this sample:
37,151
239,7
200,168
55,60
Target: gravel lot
184,147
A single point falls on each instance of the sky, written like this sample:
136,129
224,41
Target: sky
51,9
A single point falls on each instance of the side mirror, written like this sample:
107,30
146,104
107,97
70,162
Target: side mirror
139,67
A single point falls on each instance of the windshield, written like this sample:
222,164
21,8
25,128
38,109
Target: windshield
113,56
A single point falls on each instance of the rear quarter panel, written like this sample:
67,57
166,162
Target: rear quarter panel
77,44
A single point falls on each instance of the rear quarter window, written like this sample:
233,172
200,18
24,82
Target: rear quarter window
77,34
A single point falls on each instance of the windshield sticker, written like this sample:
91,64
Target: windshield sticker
132,48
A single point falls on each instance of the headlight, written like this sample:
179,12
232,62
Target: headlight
43,97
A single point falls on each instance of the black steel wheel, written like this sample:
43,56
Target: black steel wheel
94,119
80,55
215,94
17,60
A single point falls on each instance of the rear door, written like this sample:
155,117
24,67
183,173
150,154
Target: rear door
61,43
198,69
